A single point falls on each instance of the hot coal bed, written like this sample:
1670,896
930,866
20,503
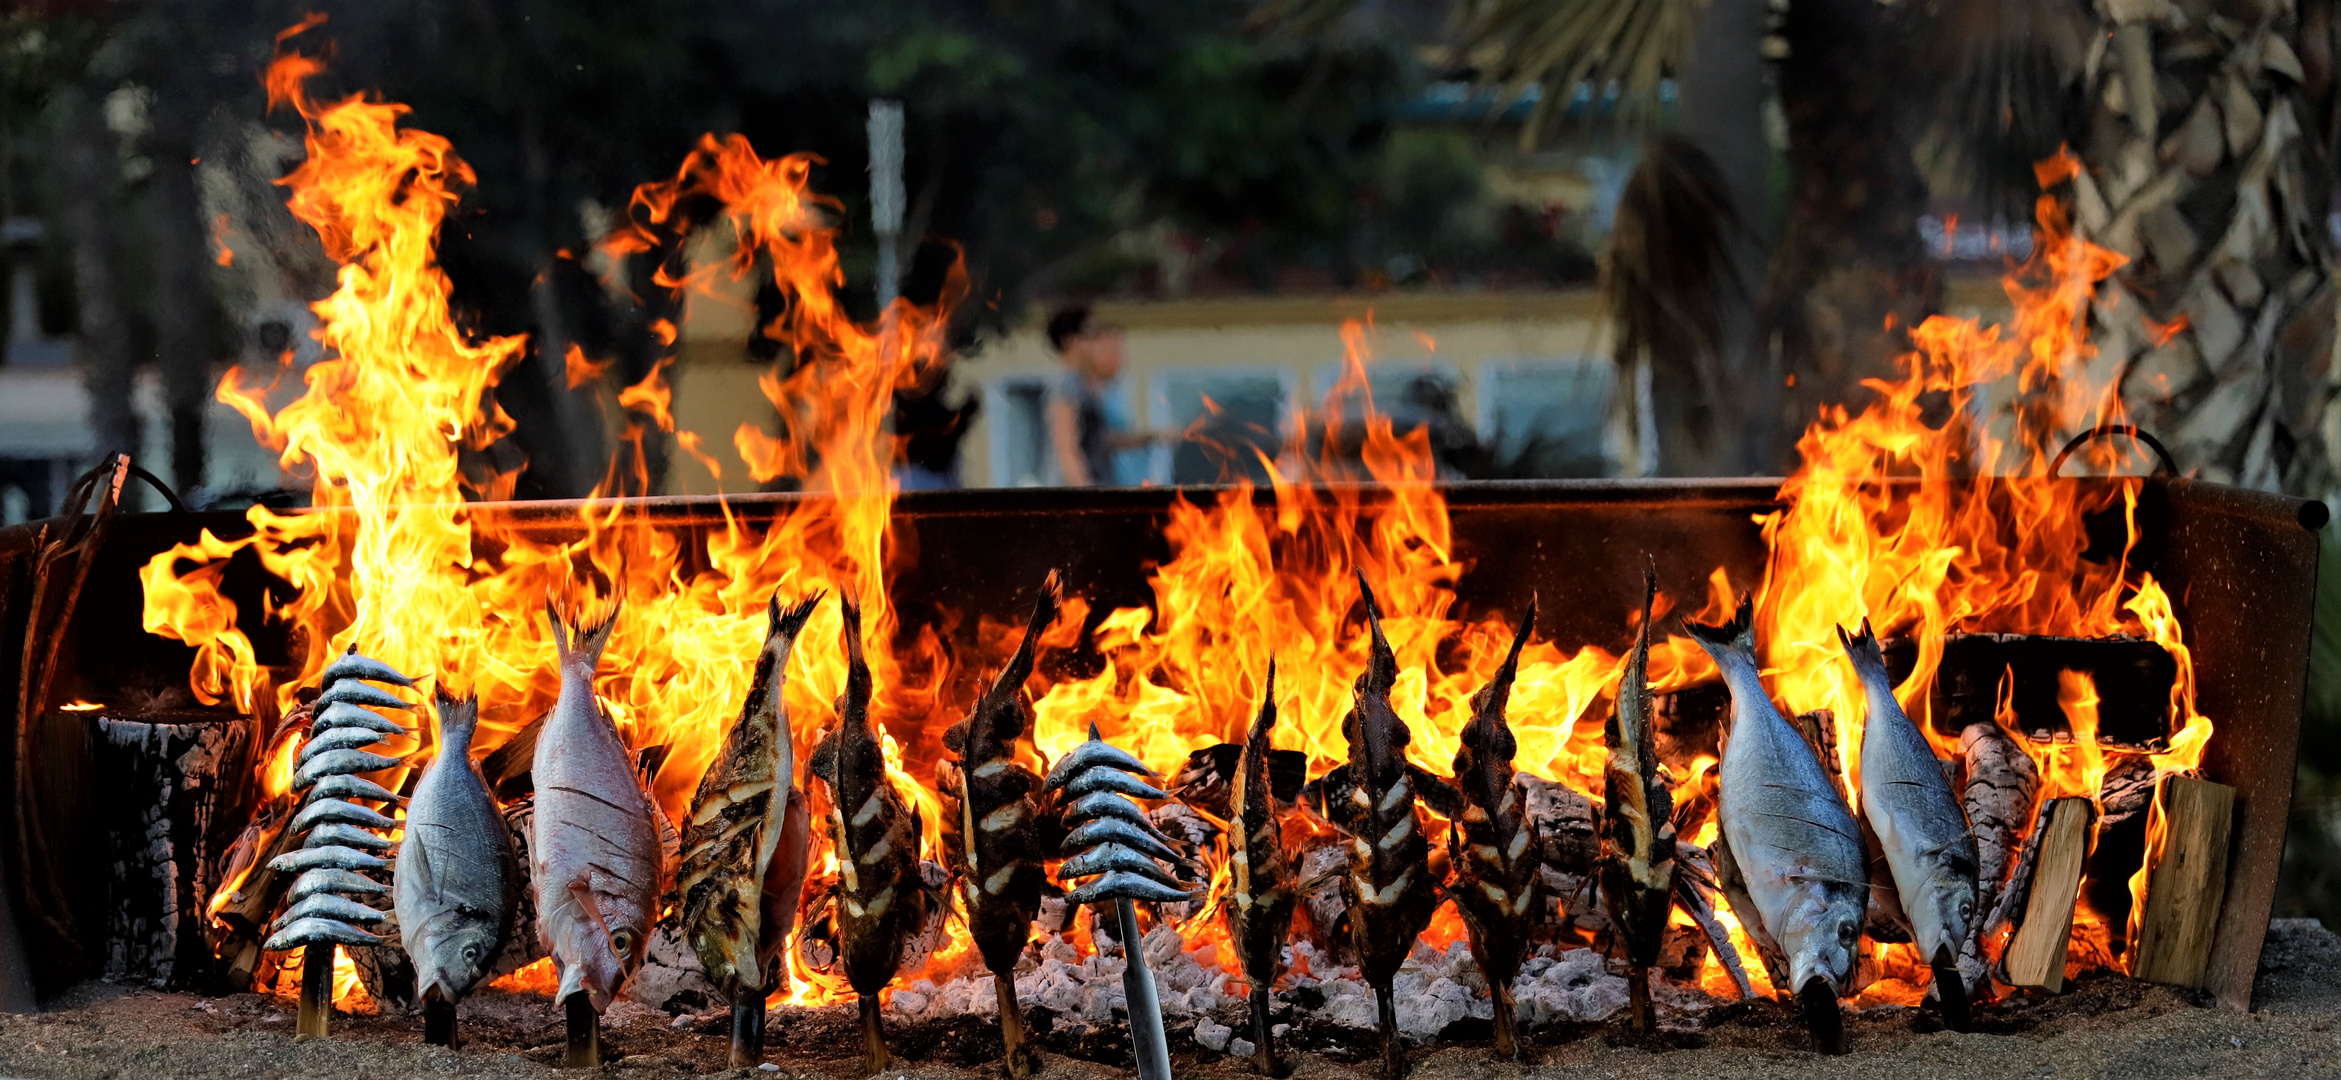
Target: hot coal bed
123,820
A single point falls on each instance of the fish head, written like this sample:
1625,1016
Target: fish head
1823,934
453,951
1942,910
598,941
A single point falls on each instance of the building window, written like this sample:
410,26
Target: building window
1548,419
1222,421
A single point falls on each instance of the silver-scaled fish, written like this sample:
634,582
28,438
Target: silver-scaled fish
1796,846
457,877
1917,819
595,855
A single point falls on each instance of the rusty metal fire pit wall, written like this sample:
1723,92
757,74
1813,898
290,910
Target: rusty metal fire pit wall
2241,564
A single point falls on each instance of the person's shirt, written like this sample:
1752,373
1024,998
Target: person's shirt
1098,414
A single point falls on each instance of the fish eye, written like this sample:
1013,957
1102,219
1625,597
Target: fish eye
1966,907
1848,935
471,953
622,940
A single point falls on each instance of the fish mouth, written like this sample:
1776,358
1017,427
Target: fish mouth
1822,1016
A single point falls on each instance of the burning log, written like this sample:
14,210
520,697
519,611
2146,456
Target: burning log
1638,846
1207,781
1997,791
993,841
881,902
2185,881
1492,844
2048,884
172,787
343,841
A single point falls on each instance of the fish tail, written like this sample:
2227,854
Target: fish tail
458,719
788,622
857,668
1256,741
583,634
1738,635
1382,670
1862,648
1044,612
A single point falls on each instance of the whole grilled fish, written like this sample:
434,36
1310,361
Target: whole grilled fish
1918,821
880,901
1389,885
594,852
457,878
1494,846
994,833
1638,837
747,843
1260,905
1796,847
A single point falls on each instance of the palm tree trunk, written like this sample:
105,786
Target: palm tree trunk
182,295
1850,272
2202,170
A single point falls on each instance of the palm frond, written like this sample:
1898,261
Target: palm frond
1624,48
2007,92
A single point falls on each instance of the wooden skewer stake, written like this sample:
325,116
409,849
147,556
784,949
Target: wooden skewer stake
2186,881
874,1055
1021,1061
747,1033
2036,953
438,1019
585,1033
316,989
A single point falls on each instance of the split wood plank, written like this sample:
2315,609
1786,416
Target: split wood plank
2036,953
2186,881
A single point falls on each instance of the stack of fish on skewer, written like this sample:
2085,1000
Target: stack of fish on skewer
1796,861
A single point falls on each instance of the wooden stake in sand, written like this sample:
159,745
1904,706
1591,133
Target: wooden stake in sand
316,990
585,1033
2186,881
2035,955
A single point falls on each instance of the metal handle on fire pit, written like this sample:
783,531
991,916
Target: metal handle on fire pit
2137,434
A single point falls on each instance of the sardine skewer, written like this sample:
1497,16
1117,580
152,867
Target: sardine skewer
745,846
995,837
337,843
1389,887
1260,906
1787,839
1919,824
1494,845
880,901
1638,838
1090,850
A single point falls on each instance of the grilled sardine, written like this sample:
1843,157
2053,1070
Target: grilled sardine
1264,892
994,833
880,900
1494,845
1638,838
746,844
1389,885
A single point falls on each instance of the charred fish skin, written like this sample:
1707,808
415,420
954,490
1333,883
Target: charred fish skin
457,879
745,845
595,855
1263,893
1389,886
1910,805
1638,841
1797,848
994,833
1493,845
876,834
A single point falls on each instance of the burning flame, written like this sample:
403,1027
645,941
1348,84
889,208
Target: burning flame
1923,525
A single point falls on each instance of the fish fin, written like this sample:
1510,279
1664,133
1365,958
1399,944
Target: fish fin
1256,740
784,886
458,719
417,857
1740,632
1382,669
583,633
789,621
1435,791
1863,650
857,668
1012,677
823,763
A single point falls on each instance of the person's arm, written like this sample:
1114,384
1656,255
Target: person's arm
1065,436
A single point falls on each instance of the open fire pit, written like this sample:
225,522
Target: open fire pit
2110,670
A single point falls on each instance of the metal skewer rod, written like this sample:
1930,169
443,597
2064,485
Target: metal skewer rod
1153,1049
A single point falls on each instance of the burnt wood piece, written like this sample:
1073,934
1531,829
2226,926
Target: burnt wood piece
1690,721
2124,797
1205,781
177,794
2133,678
506,767
1998,787
2186,879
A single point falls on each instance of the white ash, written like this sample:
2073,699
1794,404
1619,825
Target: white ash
1076,986
1436,988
